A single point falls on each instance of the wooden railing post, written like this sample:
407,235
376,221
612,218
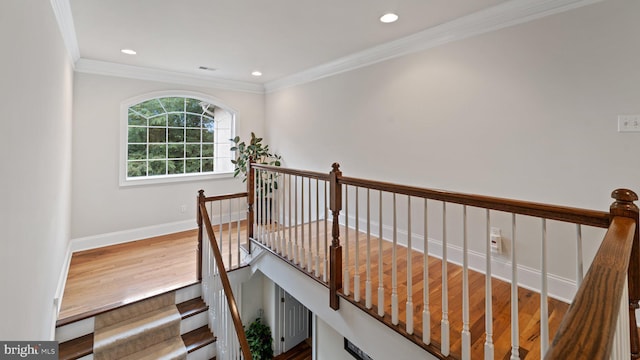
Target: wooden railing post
624,206
250,198
199,221
335,255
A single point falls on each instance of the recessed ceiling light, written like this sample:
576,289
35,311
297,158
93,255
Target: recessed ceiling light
389,18
128,51
256,73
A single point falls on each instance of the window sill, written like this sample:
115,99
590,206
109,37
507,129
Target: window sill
168,179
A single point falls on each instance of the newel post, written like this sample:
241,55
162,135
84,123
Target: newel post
251,188
624,206
335,256
199,201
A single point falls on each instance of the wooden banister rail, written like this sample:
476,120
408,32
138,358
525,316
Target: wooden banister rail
294,172
226,285
588,328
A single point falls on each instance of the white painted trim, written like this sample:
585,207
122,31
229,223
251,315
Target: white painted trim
503,15
558,287
173,77
119,237
62,12
62,280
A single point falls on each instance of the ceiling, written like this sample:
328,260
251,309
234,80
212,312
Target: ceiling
277,37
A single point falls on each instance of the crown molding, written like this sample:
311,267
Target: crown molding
142,73
494,18
62,12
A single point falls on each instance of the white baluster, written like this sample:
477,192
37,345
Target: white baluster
515,328
290,253
230,265
544,313
466,334
346,272
238,221
326,235
444,323
579,261
302,255
296,248
356,277
367,286
310,247
380,267
409,305
394,269
488,297
317,228
426,313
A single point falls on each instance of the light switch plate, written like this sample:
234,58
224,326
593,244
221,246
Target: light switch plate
628,123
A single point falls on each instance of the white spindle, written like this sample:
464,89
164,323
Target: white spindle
281,218
346,272
426,313
296,248
220,225
238,206
317,227
488,296
310,247
290,255
409,305
466,334
515,328
444,323
579,261
356,274
302,255
326,235
394,269
367,290
380,269
544,313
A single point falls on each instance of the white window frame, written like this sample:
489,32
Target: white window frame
124,180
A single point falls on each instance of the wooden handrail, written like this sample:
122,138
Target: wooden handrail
225,197
296,172
226,285
587,329
561,213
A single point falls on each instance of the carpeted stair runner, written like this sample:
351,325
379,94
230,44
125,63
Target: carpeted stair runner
148,329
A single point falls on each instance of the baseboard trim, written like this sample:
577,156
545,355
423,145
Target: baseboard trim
124,236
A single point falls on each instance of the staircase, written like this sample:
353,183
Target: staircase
172,325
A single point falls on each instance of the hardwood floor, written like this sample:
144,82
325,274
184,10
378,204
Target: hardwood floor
109,277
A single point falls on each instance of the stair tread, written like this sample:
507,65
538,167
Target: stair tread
142,323
192,307
198,338
172,348
76,348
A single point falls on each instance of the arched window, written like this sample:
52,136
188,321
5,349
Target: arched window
175,137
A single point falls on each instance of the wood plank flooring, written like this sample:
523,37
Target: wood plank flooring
112,276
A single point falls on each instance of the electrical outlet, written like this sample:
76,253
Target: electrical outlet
628,123
496,240
183,208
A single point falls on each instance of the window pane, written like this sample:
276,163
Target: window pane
207,165
157,167
135,119
193,150
175,167
157,151
207,150
149,108
207,135
176,120
137,152
193,105
192,166
136,168
137,135
176,151
176,135
193,135
207,122
160,120
157,135
173,103
193,120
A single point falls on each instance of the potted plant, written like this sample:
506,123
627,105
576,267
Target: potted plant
260,340
260,154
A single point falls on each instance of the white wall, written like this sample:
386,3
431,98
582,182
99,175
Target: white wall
329,342
99,204
527,112
36,98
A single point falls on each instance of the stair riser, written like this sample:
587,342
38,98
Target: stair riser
193,322
75,330
204,353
